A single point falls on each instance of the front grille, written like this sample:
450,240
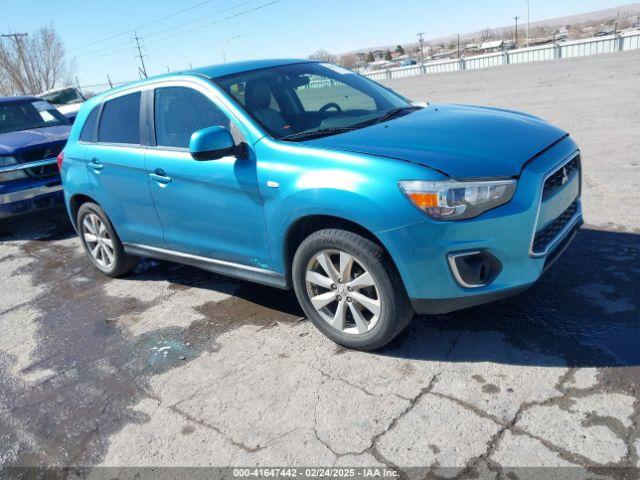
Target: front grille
544,237
559,178
45,171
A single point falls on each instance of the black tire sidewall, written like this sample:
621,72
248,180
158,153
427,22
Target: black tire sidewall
395,311
120,257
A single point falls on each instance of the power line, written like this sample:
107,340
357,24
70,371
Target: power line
109,52
230,17
134,29
155,34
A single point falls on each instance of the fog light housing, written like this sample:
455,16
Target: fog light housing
474,269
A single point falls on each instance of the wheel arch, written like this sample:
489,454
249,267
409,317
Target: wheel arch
75,202
305,226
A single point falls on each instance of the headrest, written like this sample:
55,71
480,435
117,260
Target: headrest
257,95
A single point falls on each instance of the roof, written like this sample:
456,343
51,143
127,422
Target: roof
213,71
56,90
217,71
494,44
18,99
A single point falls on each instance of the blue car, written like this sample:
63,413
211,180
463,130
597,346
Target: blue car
304,175
32,134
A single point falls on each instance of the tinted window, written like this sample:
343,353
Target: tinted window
120,121
88,133
180,111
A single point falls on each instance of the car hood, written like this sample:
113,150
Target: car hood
459,140
13,143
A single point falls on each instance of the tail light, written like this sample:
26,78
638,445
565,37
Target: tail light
60,159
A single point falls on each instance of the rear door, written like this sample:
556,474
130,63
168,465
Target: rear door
116,164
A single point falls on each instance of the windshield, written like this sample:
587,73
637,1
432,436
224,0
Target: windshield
64,97
16,116
296,102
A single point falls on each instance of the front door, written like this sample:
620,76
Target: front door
207,208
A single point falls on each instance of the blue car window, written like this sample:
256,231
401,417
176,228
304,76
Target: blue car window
180,111
88,133
120,121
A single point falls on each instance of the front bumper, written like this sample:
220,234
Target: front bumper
421,251
17,198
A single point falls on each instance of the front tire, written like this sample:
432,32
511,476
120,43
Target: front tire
101,242
349,288
3,227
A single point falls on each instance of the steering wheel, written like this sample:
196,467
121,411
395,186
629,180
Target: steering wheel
330,105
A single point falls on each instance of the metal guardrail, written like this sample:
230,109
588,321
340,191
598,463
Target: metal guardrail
553,51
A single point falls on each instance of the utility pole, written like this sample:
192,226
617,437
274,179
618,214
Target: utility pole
420,36
516,18
528,21
224,54
17,38
143,69
458,46
14,36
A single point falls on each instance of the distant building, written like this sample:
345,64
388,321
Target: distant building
492,46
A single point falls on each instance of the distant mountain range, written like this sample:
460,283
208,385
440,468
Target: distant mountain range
596,16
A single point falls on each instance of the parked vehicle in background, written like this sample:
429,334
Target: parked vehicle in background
67,100
408,62
305,175
32,134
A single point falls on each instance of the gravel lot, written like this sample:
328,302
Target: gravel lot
177,367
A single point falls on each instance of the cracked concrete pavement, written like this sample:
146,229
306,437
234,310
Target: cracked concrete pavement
178,367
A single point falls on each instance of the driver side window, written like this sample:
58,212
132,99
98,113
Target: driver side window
180,111
321,91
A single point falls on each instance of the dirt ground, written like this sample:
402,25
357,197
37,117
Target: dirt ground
173,366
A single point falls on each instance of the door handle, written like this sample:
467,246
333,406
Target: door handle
160,176
96,165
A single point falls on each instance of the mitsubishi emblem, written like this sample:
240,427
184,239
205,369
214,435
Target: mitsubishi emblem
565,177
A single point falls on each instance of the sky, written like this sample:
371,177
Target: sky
174,34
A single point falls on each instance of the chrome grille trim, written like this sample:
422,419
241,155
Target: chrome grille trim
571,223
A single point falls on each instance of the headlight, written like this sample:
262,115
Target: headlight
8,176
450,200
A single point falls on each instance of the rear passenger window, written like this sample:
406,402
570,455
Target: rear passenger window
88,133
180,111
120,121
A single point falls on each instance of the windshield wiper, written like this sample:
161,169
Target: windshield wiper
394,112
322,132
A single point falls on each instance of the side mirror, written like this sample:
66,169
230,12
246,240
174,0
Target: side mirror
211,143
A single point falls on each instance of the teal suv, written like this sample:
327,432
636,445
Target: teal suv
304,175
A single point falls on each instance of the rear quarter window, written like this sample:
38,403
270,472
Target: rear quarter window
120,120
88,133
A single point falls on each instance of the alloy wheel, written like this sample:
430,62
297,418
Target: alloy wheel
98,241
343,292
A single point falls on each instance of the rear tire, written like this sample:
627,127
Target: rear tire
3,228
350,289
101,242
